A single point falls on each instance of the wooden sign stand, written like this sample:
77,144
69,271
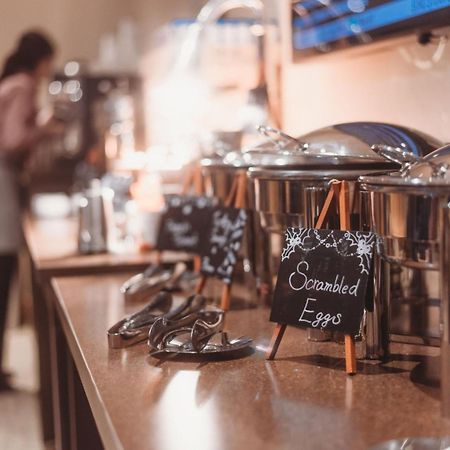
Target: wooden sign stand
235,198
194,182
340,192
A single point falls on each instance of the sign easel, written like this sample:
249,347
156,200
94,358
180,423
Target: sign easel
194,182
236,199
339,191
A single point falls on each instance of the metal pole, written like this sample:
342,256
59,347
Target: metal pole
445,310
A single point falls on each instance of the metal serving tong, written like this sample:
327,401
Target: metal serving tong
218,345
200,327
152,280
135,328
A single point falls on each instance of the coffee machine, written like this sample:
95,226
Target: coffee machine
102,116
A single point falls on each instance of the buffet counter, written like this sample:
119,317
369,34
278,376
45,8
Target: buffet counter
303,399
52,245
52,248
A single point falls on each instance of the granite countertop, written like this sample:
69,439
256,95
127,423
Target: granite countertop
303,399
52,244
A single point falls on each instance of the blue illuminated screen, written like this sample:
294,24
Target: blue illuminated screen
320,26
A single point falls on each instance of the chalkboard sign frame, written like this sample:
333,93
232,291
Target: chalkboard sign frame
236,199
225,239
323,279
339,192
185,223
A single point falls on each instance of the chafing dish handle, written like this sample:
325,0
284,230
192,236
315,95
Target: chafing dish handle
406,159
398,155
285,138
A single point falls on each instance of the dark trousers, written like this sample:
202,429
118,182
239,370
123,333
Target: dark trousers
7,267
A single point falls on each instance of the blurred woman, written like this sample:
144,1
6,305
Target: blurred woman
28,64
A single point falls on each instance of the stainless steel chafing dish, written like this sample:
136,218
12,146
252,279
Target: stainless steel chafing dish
405,211
292,175
290,178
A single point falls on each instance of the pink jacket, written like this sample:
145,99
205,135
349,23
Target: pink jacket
18,133
18,129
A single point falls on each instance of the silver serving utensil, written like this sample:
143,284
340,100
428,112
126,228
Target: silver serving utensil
205,327
199,327
134,329
151,281
223,346
182,317
148,272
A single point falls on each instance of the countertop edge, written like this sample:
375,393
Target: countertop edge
104,423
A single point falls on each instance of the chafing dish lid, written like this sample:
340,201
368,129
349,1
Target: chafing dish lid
342,146
432,170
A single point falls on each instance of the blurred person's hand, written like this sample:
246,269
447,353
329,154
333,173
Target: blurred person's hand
53,127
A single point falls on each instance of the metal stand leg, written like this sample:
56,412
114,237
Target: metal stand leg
377,317
59,356
445,377
42,325
445,315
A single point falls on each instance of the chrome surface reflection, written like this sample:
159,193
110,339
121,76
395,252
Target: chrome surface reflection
405,211
290,181
418,443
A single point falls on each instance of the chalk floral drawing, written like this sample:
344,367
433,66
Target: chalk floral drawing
225,242
305,239
364,248
351,243
295,237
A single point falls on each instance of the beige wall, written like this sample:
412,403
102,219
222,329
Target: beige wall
379,83
152,14
75,25
374,83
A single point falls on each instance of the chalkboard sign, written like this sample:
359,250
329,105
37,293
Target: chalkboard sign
225,238
322,280
185,223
